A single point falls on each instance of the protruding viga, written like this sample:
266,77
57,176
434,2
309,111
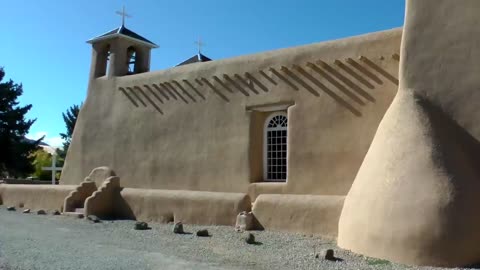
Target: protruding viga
416,197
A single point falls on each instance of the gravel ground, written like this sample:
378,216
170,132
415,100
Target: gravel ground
30,241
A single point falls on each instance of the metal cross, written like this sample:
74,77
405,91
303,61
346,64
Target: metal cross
199,44
54,168
123,14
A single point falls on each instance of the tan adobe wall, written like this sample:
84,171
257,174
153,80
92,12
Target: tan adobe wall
193,127
193,207
102,202
315,215
77,197
35,197
415,199
256,189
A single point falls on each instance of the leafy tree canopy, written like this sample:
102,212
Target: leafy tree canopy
16,151
70,119
44,159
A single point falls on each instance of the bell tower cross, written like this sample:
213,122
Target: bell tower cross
124,15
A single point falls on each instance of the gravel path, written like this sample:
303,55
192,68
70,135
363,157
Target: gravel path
29,241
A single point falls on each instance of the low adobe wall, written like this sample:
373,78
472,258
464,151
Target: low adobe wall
194,207
101,203
257,189
76,198
46,197
27,182
309,214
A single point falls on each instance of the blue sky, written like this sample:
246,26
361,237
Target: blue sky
43,41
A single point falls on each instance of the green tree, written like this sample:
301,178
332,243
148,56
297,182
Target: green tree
42,159
70,119
16,151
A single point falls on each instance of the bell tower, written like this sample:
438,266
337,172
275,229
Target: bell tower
120,52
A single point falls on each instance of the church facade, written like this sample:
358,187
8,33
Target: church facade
294,122
372,140
281,134
253,123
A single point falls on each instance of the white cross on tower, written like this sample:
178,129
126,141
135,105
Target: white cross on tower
54,167
123,14
199,44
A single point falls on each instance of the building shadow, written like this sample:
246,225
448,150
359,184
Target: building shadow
354,74
199,82
184,91
281,77
215,90
149,89
267,77
167,84
137,97
121,89
235,84
148,99
335,83
300,81
325,89
380,70
194,89
222,84
166,89
363,70
248,85
255,81
122,210
348,82
162,92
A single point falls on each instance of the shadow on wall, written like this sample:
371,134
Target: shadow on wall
344,83
122,208
111,201
450,182
76,199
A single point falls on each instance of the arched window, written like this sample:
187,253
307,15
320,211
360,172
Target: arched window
275,148
131,58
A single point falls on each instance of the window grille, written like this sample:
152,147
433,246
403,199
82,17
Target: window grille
275,154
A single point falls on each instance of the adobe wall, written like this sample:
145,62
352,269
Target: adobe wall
200,137
415,198
102,202
192,207
307,214
35,197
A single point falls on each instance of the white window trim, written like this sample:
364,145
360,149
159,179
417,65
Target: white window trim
273,107
265,147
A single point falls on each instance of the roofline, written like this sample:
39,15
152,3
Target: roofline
151,45
198,57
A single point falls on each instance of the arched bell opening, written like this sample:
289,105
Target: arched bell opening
132,60
103,61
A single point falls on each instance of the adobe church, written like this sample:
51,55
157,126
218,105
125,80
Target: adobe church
372,140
